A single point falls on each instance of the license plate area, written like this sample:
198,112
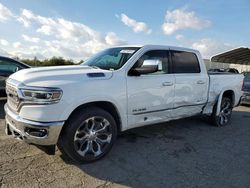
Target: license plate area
11,129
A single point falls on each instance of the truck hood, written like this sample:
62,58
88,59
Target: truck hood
57,75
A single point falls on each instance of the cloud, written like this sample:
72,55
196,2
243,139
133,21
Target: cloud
45,29
4,42
209,47
112,39
27,14
179,19
4,53
27,55
179,37
24,21
17,45
135,25
58,27
59,37
5,13
31,39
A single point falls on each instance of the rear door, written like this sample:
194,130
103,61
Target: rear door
191,85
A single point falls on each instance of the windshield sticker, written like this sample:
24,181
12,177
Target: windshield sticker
127,51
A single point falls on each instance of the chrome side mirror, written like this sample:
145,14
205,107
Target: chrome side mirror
17,69
148,66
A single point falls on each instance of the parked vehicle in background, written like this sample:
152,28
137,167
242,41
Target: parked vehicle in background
8,66
82,108
229,70
246,88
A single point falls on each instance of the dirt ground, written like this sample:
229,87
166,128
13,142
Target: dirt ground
183,153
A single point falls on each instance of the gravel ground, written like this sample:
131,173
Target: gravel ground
183,153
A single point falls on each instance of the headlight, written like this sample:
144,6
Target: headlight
41,95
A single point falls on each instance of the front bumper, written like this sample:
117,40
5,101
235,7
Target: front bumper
33,132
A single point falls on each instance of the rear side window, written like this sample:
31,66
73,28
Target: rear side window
185,62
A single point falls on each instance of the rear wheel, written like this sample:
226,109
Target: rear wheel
224,116
89,135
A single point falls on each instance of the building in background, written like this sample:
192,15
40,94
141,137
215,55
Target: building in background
238,58
218,65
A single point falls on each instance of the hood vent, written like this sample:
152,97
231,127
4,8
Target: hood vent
96,75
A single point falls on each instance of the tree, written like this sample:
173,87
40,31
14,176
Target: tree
54,61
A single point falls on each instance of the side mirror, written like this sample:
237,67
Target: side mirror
148,66
17,69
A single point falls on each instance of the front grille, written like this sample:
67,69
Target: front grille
12,96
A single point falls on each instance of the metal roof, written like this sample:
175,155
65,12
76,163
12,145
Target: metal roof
236,56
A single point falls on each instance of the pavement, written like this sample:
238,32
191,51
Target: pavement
182,153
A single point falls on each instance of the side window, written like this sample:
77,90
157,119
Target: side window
185,62
160,55
7,67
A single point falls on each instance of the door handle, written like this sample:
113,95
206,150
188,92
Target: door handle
201,82
167,83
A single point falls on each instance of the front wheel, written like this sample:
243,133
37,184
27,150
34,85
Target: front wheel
89,135
224,116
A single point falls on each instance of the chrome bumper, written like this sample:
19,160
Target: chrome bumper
39,133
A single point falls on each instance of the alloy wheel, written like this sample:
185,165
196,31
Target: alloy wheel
225,113
93,137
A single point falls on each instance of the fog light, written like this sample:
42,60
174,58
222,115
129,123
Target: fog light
36,132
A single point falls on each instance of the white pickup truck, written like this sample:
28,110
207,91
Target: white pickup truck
83,108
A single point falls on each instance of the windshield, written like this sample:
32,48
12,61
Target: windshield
112,58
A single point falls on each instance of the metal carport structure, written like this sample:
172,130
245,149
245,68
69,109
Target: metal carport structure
239,55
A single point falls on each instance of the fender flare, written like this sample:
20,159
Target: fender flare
218,104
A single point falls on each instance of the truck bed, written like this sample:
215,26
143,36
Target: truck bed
221,81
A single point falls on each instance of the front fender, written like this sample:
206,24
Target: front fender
120,107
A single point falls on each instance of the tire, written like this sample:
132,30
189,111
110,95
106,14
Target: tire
224,116
88,135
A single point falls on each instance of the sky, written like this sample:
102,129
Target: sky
77,29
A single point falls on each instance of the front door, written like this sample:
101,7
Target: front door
150,96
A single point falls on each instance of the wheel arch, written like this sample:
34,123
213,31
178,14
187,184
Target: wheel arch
226,93
105,105
230,94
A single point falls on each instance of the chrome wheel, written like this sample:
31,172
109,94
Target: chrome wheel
225,112
93,137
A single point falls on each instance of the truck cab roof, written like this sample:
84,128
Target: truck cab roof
153,46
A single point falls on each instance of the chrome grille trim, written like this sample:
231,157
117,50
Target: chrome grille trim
15,98
12,92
